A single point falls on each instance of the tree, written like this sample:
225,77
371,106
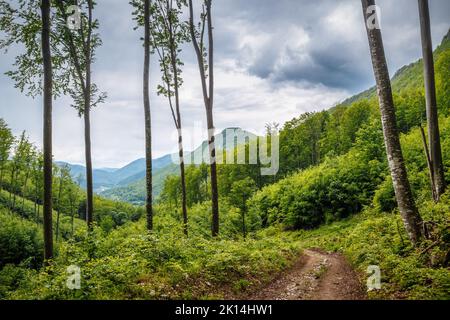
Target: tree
168,33
437,168
36,175
405,200
205,60
73,198
71,55
28,162
6,142
20,162
48,87
80,48
171,190
241,191
143,15
64,180
29,23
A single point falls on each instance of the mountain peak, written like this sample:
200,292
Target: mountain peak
446,37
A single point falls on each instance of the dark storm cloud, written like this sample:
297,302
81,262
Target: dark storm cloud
332,57
274,59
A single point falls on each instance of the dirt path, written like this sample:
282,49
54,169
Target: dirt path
317,275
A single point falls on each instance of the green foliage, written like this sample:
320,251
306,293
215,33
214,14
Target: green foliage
20,241
331,191
384,199
130,264
379,239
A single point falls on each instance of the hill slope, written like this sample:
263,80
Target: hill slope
132,189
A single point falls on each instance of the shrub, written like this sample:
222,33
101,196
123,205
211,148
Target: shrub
20,241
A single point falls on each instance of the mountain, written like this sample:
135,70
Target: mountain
132,188
107,178
408,76
128,183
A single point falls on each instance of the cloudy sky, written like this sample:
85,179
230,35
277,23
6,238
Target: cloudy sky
275,59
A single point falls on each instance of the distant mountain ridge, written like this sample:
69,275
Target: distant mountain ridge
110,181
105,179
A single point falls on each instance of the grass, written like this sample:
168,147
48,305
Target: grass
130,264
379,239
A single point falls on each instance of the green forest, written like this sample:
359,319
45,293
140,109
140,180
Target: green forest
196,239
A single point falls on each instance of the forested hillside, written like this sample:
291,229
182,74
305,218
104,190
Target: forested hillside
333,192
351,202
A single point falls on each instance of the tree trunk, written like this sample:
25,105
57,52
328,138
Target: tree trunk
89,182
24,190
431,103
208,97
47,95
213,166
244,227
38,214
87,127
58,207
148,122
1,175
72,213
406,205
12,187
429,164
178,124
211,138
183,186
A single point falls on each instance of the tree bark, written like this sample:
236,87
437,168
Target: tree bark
58,206
87,126
47,96
178,124
148,123
209,110
406,205
25,189
208,97
429,164
431,103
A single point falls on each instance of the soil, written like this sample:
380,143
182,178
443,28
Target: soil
317,275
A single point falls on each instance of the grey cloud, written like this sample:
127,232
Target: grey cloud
274,60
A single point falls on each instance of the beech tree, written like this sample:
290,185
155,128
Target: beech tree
6,143
434,141
168,33
37,167
71,55
20,163
64,179
205,60
241,191
405,200
79,47
48,157
143,13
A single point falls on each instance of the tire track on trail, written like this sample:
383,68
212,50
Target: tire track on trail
317,275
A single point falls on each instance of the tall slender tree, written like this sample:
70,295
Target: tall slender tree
405,200
148,118
143,12
205,59
72,53
168,33
434,142
80,45
6,143
48,162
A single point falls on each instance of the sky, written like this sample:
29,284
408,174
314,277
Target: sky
274,59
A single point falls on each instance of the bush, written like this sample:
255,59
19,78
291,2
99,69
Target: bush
329,192
20,241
